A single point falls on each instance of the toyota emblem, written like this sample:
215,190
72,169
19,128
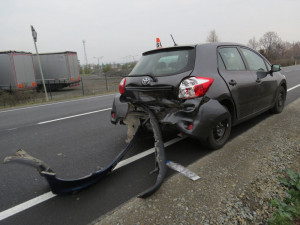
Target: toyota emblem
146,81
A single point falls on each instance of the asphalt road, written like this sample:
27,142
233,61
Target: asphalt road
76,146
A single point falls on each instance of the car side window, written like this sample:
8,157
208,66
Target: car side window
254,61
232,59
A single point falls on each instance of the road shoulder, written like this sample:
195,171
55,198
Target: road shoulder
237,182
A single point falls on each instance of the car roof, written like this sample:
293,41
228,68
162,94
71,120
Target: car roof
212,44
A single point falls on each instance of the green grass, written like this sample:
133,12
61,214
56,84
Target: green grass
288,211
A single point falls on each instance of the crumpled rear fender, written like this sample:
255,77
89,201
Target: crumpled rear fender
194,117
199,123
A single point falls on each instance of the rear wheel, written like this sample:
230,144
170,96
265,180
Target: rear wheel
219,134
280,100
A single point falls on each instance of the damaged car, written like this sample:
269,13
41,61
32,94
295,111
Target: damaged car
200,90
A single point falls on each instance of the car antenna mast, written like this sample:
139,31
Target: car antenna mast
173,40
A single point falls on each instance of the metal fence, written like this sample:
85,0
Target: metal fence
89,85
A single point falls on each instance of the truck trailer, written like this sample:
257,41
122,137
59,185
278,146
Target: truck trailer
60,69
17,71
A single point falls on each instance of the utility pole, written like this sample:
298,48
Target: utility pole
99,63
85,56
34,36
100,71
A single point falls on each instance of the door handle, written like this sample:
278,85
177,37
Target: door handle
232,82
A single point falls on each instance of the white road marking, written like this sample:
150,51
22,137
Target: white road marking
56,103
12,129
26,205
44,197
83,114
293,87
145,153
68,117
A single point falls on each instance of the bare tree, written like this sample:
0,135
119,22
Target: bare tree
271,44
252,43
212,37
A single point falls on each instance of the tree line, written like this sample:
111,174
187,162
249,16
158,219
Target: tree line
271,46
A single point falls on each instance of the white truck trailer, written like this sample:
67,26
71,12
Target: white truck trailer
60,69
17,71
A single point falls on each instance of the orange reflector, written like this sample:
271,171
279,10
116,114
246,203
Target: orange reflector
20,85
33,84
72,79
78,78
158,43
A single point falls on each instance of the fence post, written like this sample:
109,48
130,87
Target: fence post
106,81
49,86
82,86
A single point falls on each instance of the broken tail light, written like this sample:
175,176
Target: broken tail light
194,87
122,86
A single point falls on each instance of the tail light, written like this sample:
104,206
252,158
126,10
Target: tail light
194,87
122,86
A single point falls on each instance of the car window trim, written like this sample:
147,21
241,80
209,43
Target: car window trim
232,46
259,55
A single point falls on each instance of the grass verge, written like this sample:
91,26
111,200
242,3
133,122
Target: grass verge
288,210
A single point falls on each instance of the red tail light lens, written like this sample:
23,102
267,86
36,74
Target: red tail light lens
122,86
194,87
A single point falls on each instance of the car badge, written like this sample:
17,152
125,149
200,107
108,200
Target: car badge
146,81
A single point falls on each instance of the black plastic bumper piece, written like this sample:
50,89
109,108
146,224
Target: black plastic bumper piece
160,157
60,186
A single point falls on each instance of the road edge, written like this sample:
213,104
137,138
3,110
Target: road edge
236,188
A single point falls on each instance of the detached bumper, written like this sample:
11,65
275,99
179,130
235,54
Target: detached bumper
193,117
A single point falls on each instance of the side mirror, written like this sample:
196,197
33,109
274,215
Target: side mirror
275,68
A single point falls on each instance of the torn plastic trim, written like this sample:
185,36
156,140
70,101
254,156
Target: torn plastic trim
160,157
61,186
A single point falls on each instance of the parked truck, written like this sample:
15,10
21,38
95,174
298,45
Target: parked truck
60,69
17,71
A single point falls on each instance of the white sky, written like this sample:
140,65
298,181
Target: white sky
119,28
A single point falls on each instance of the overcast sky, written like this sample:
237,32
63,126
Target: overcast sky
116,29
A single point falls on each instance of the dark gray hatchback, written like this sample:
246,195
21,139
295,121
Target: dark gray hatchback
200,90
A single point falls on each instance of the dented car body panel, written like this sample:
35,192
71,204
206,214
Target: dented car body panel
237,90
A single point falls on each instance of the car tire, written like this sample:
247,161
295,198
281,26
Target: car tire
219,134
280,101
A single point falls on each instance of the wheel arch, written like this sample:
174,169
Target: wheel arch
231,108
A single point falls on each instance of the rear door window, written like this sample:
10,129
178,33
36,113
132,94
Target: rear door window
232,59
254,61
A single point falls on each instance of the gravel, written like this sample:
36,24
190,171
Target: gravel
237,182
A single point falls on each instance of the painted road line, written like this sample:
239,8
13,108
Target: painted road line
293,87
44,197
145,153
56,103
83,114
68,117
26,205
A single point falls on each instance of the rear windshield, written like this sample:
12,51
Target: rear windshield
165,62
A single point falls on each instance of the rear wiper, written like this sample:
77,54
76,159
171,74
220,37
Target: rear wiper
141,75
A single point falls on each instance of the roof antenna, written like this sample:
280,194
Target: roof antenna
173,40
